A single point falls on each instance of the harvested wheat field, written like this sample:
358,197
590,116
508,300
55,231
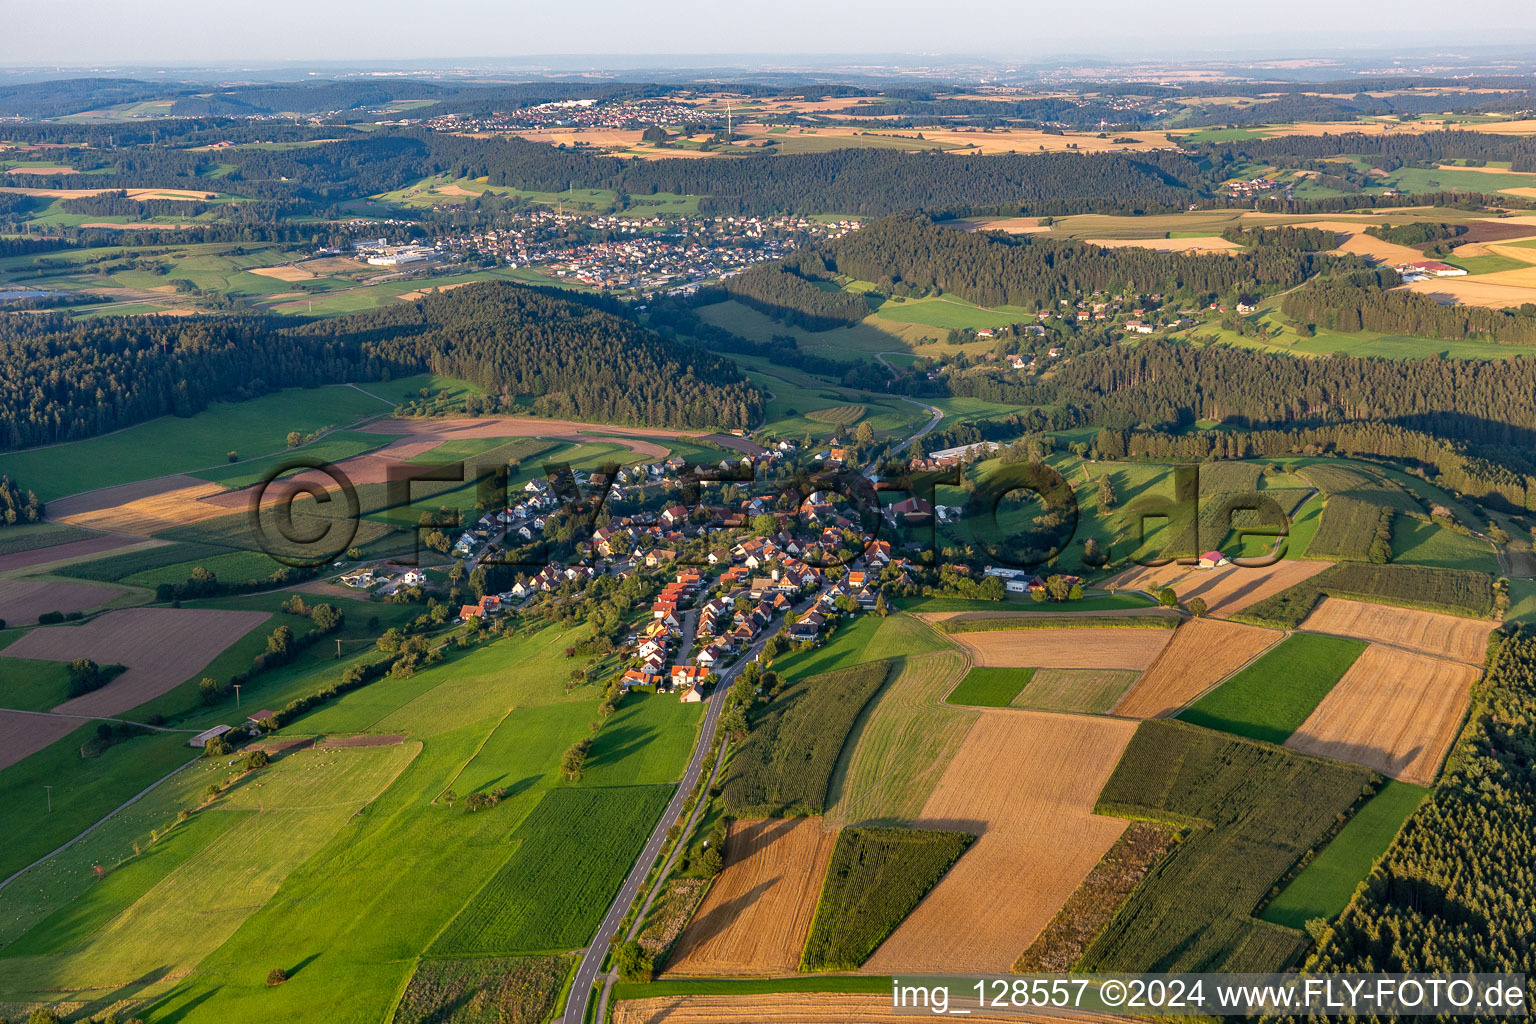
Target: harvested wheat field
1084,690
1393,711
1496,291
1208,243
1149,578
1027,782
901,745
22,601
1448,636
283,273
1012,225
1388,253
162,648
757,914
808,1008
1202,654
1064,648
133,193
1231,588
141,508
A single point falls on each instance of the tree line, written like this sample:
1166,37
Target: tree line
1343,305
63,380
910,251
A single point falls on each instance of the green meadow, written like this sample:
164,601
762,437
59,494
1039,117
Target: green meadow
1270,698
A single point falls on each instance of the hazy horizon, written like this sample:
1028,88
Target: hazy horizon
154,34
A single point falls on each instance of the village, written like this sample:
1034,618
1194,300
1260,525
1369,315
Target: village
620,251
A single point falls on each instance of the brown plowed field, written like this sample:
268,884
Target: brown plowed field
809,1008
1227,589
162,647
1202,654
757,914
22,735
1448,636
1026,782
1064,648
59,552
22,601
1393,711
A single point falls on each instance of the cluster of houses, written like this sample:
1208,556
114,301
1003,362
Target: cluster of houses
1020,581
386,577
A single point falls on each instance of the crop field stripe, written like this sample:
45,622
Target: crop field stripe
574,850
1271,698
1203,652
990,687
1326,884
1394,711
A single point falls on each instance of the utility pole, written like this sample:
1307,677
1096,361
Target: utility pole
237,696
338,647
50,798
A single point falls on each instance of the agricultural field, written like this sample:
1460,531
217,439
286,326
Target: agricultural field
1065,648
990,687
1028,781
1449,591
834,1007
161,648
756,916
1225,589
174,444
1084,690
1394,711
1416,542
868,638
1203,652
411,846
1328,881
22,601
512,990
528,908
901,743
1089,909
785,764
1446,636
1273,696
284,815
1259,808
873,880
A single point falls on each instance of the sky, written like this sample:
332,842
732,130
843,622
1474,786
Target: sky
158,32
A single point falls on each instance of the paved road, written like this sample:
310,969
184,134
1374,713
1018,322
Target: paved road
592,958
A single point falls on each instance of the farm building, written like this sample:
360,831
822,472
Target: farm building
1212,559
202,738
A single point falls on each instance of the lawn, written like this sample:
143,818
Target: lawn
1270,698
333,447
952,313
173,444
990,687
229,566
1325,885
1427,543
29,685
867,638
